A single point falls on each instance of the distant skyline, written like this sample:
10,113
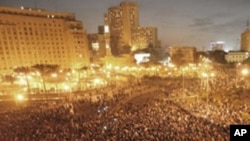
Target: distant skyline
179,22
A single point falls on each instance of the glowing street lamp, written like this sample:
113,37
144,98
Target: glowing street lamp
244,72
19,97
97,81
54,75
66,87
212,74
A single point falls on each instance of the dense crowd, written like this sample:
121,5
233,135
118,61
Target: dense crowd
153,109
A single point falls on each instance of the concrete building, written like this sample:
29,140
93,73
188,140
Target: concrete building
182,55
34,36
143,37
245,39
104,30
123,21
99,43
236,56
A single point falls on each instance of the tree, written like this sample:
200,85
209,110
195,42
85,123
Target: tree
45,69
218,56
25,71
8,78
81,70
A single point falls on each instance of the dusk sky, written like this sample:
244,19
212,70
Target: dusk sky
179,22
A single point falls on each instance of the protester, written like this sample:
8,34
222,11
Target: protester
152,109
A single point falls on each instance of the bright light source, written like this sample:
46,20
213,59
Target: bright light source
19,97
97,81
38,74
107,46
244,72
95,46
29,77
204,74
106,29
142,57
171,65
66,87
54,75
212,74
220,42
109,66
73,71
117,67
22,81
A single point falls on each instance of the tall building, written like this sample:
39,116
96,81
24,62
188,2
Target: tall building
245,40
104,30
125,31
97,46
34,36
143,37
99,43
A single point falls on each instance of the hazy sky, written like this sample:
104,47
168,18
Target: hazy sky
179,22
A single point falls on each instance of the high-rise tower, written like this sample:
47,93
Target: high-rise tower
245,39
121,20
126,34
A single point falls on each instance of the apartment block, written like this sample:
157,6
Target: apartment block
35,36
126,34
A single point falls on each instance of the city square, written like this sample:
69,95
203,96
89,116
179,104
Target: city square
59,82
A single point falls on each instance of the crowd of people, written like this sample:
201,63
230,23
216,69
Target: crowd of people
152,109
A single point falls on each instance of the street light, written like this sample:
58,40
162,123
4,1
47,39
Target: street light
54,75
207,77
237,73
212,74
19,97
182,70
244,72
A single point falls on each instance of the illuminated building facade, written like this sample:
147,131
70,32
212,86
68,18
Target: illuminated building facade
236,56
245,40
143,37
182,54
218,45
125,32
35,36
99,43
104,30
